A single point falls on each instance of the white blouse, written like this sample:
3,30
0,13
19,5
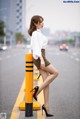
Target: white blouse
38,42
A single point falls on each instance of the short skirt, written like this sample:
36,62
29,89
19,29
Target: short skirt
37,62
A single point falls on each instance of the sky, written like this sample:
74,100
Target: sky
57,15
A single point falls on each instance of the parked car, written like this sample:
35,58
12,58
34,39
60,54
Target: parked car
64,47
3,47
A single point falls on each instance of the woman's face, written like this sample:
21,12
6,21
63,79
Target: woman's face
40,25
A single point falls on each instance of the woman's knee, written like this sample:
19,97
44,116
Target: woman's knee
56,73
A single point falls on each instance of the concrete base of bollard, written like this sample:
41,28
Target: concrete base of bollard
36,106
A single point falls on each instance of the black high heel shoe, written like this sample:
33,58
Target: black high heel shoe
47,114
35,92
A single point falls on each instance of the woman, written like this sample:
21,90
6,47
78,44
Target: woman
48,72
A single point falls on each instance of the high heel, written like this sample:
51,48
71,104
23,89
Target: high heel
47,114
35,92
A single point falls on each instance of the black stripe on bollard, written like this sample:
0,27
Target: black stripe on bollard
29,111
29,66
29,70
29,62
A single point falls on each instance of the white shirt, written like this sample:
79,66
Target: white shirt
38,42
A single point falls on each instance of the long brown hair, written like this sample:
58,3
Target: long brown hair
34,20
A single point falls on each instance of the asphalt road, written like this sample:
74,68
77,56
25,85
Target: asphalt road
65,95
12,68
64,91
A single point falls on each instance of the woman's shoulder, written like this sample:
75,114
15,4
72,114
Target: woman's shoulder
34,33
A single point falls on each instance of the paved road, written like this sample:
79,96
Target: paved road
12,65
65,96
64,91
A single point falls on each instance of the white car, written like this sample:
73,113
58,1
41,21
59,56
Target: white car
3,47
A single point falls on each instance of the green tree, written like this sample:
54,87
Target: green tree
20,37
2,33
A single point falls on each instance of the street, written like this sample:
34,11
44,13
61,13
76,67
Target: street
64,90
65,96
12,65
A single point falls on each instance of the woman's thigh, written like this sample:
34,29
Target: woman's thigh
50,68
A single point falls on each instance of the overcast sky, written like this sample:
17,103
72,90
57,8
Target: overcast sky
57,15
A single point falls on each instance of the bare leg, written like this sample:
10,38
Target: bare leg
46,89
53,74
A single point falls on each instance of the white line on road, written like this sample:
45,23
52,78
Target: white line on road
74,53
71,57
0,58
77,59
56,53
8,56
14,55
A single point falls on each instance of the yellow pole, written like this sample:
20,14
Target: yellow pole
29,85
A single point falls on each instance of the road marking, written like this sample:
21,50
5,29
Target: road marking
8,56
71,57
56,53
77,59
14,55
1,59
16,112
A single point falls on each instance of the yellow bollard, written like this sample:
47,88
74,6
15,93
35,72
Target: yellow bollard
29,85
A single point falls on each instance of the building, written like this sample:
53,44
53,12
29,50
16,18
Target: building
12,12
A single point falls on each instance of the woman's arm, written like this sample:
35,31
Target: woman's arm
36,45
